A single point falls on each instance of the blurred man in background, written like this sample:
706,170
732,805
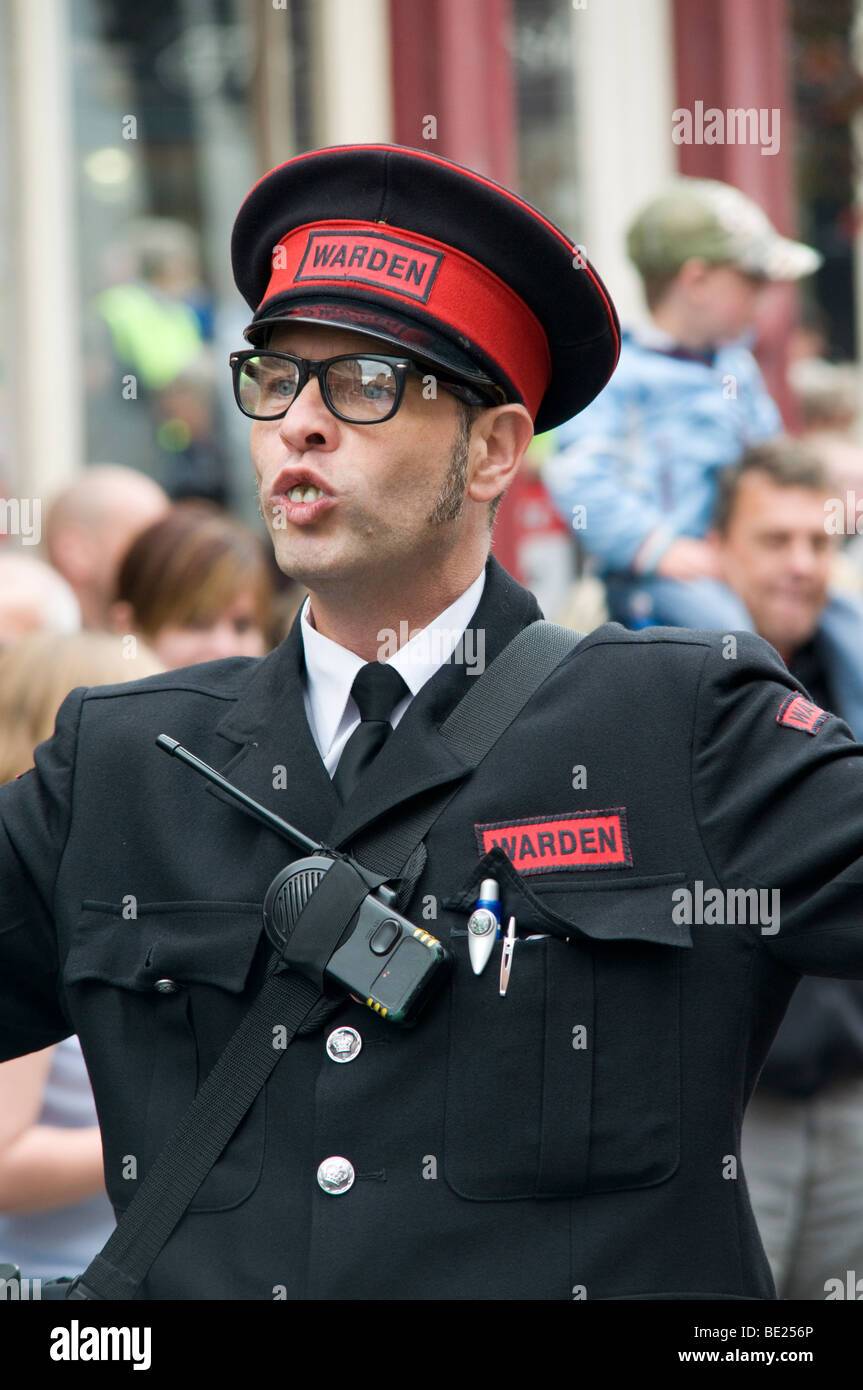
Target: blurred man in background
774,552
89,527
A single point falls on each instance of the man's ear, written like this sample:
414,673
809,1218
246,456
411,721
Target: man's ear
499,441
693,273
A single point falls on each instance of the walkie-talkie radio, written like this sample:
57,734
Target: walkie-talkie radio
334,921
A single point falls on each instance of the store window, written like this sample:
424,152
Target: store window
828,98
545,99
172,109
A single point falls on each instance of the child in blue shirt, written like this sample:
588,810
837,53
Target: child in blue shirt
635,473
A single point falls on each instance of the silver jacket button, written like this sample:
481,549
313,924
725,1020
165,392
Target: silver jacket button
344,1044
166,986
335,1176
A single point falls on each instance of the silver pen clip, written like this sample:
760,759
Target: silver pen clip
506,958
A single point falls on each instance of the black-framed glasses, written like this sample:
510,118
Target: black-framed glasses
362,389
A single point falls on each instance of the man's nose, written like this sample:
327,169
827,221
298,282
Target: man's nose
804,557
307,421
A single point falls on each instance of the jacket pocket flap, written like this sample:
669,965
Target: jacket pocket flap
630,912
632,909
210,943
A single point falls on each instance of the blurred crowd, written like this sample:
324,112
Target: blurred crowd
685,502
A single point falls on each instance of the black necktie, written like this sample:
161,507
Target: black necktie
377,689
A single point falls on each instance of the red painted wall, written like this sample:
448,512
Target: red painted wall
735,54
452,61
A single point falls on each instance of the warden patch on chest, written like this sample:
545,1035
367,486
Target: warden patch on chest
797,713
578,840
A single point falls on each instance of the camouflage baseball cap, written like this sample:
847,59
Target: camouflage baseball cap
716,223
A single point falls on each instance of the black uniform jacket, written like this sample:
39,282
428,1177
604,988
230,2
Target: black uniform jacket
577,1138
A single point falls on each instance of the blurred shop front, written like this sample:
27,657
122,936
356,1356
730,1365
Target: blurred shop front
129,135
127,175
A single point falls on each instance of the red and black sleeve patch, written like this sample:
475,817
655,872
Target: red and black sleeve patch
799,713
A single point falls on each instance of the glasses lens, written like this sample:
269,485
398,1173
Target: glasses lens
266,386
362,388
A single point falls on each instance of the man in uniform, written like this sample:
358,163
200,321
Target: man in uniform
675,829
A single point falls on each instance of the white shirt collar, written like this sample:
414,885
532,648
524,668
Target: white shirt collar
331,668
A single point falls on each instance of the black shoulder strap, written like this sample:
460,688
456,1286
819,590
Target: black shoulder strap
472,729
287,999
502,691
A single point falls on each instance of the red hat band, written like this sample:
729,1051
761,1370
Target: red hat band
418,273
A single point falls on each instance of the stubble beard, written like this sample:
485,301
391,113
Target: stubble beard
449,504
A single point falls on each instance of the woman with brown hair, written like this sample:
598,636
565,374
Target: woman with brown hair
196,586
